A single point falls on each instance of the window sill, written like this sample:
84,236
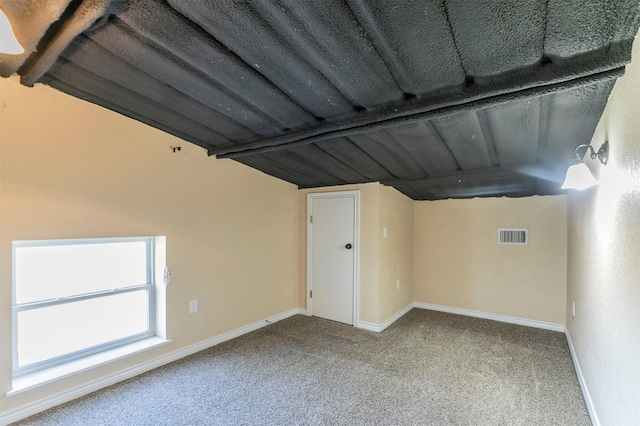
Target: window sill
30,381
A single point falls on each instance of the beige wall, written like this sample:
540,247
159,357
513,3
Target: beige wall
369,247
446,253
458,262
604,261
396,252
70,169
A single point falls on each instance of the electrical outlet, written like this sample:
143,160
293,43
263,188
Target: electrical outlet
384,232
193,306
398,285
573,310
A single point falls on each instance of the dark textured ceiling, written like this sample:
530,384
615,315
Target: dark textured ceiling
441,98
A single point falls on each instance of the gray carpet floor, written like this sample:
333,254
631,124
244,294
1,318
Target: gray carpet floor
429,368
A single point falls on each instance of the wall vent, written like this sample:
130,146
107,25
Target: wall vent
513,236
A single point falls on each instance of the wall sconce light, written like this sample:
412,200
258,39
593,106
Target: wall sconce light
578,175
8,41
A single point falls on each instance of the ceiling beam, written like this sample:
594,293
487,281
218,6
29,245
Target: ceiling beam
461,177
539,80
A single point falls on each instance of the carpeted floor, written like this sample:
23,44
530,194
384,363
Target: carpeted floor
429,368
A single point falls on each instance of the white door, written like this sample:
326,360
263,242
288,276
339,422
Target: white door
332,255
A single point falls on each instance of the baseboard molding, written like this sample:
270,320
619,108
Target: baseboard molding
490,316
381,327
94,385
369,326
302,311
583,385
395,317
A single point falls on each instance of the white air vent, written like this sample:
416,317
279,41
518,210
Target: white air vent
513,236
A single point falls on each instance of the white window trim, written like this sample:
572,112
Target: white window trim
26,381
45,376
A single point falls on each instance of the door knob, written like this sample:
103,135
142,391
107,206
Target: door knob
348,246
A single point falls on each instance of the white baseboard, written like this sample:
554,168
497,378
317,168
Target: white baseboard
369,326
583,385
459,311
395,317
381,327
489,316
94,385
302,311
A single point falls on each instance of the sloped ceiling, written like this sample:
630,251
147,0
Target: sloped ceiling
440,98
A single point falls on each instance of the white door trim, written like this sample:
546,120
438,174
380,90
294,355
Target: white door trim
356,246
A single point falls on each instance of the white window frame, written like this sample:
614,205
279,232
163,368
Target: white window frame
16,308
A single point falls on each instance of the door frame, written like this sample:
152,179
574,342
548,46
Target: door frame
356,245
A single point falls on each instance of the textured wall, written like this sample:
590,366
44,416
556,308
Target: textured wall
396,252
70,169
604,262
369,247
458,262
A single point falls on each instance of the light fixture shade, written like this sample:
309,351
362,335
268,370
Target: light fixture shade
8,41
579,177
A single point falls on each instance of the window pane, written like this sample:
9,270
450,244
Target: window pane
51,272
70,327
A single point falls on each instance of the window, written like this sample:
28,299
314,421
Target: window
74,298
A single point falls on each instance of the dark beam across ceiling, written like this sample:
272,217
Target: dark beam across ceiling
439,98
549,78
462,176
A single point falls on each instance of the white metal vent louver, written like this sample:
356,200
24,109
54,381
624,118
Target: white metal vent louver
513,236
